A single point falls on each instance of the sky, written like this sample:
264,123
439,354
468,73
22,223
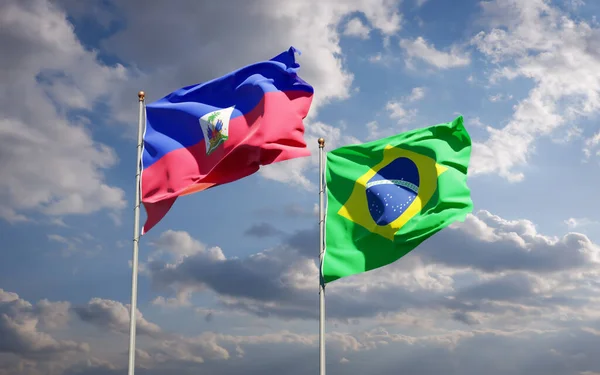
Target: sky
228,279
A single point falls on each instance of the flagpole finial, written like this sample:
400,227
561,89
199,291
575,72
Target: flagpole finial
321,142
141,95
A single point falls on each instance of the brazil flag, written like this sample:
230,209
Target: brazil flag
386,197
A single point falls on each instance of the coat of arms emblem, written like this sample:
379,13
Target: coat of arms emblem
215,126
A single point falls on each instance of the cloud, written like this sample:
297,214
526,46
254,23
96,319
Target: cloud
421,50
504,288
396,107
500,97
291,210
376,58
573,223
398,111
262,277
560,331
508,264
417,93
262,229
50,162
114,316
492,244
75,244
546,351
94,366
355,27
21,324
184,349
534,40
182,299
534,351
465,317
178,245
157,349
591,145
26,350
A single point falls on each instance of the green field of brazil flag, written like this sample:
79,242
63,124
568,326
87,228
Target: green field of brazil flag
386,197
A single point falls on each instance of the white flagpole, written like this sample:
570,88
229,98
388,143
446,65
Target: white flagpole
136,238
321,253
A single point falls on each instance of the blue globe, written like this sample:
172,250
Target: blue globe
392,190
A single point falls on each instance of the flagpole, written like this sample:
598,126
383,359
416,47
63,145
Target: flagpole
321,253
136,237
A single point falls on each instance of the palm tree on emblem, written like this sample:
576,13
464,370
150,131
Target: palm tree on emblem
214,131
